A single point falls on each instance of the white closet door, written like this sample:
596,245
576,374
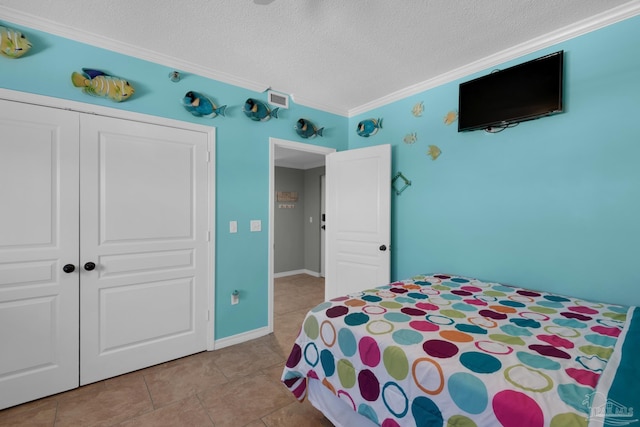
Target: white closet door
144,207
38,236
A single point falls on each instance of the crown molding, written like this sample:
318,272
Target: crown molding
579,28
318,106
65,31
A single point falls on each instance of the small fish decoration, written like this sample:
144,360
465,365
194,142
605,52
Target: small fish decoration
418,109
259,111
451,117
13,44
98,83
410,138
434,152
369,127
201,106
306,129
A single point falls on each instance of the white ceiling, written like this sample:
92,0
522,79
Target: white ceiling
335,55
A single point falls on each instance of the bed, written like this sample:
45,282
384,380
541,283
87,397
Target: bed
442,349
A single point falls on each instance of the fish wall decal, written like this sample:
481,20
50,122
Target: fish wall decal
410,138
98,83
434,152
451,117
369,127
13,44
259,111
306,129
418,109
201,106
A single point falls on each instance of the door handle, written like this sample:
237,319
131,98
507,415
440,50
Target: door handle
89,266
382,248
69,268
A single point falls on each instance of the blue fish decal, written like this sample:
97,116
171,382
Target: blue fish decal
306,129
258,110
201,106
369,127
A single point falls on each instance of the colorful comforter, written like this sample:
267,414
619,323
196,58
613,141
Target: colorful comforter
448,350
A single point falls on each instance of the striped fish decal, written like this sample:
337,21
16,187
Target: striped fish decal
98,83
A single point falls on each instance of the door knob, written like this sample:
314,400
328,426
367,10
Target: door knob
89,266
382,248
69,268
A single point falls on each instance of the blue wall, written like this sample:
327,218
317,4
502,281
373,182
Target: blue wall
242,153
552,204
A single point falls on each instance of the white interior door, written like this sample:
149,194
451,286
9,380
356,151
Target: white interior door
38,236
144,207
323,227
358,220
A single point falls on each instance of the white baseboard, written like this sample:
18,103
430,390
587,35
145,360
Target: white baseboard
294,272
240,338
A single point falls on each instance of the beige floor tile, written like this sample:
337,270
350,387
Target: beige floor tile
245,400
183,378
247,358
188,412
34,414
106,406
297,414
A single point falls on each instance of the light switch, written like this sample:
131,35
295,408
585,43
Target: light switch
256,225
233,226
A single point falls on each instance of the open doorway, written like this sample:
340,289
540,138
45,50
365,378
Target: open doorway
290,155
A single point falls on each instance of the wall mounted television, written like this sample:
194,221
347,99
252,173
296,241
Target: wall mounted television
523,92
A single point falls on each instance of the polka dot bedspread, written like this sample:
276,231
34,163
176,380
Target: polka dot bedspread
448,350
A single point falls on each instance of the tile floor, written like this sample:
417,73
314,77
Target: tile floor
234,386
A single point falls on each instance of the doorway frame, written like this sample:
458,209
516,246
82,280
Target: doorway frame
290,145
81,107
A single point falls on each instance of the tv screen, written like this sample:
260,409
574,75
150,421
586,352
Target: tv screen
522,92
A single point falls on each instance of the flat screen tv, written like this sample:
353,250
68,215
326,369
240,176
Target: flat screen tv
522,92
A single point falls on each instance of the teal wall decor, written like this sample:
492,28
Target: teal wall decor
306,129
258,111
403,181
369,127
201,106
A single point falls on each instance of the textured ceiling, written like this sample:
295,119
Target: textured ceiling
336,55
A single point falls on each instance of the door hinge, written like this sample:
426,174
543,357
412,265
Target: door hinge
208,315
208,236
208,156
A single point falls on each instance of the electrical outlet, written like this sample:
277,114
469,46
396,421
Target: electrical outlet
256,225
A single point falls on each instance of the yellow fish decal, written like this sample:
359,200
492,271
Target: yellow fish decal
410,138
434,152
451,117
418,109
13,44
98,83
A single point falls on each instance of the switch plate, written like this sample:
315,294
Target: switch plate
233,226
256,225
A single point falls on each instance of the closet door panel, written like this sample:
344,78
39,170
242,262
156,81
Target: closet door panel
38,237
144,192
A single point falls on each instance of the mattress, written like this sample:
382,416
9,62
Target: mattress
450,350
